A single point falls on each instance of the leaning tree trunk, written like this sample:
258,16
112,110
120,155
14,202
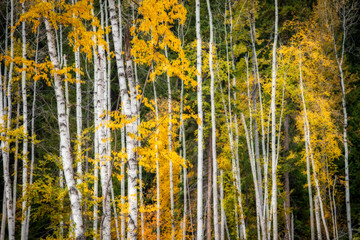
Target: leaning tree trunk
65,146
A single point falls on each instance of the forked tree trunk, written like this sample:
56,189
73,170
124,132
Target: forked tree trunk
130,110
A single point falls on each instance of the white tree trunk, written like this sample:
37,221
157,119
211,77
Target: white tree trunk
213,126
101,101
96,141
78,118
65,150
200,215
158,203
5,143
115,212
130,110
183,150
25,132
170,149
308,140
317,217
273,130
33,137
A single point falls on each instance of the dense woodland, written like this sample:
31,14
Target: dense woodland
178,119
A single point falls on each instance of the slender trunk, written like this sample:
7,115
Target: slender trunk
265,205
123,193
182,138
79,160
101,99
336,235
200,216
234,148
115,212
5,148
308,145
16,155
253,170
65,138
340,59
25,131
213,126
209,192
317,218
170,149
222,210
273,131
96,142
3,218
287,181
158,205
61,183
236,173
32,137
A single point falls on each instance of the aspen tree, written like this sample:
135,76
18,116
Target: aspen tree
5,139
16,154
183,141
158,203
346,11
25,131
33,108
96,142
318,200
79,168
170,149
200,221
273,130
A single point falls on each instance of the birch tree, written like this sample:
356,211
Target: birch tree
65,146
